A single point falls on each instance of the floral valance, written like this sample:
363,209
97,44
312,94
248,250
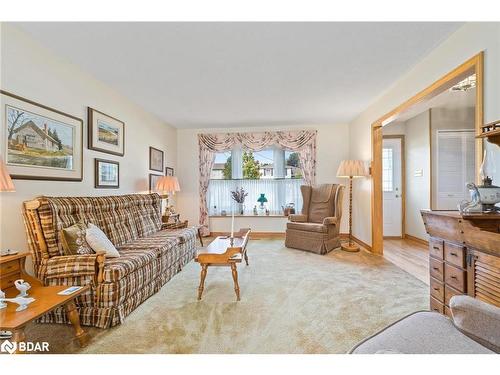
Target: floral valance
289,140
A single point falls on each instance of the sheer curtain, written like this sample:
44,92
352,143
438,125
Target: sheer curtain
279,192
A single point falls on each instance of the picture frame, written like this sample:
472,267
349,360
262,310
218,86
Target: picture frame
105,133
153,179
169,171
155,159
106,174
40,142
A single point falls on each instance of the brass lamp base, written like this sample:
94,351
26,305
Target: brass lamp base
351,247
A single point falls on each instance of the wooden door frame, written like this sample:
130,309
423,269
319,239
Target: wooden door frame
403,180
473,65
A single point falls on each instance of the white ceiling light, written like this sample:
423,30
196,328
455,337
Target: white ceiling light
466,84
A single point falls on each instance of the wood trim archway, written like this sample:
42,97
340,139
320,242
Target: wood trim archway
473,65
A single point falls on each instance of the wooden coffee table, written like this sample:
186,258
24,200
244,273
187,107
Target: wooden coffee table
46,300
222,253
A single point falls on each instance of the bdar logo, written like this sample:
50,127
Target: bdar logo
8,347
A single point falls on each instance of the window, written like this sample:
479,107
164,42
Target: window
387,169
274,172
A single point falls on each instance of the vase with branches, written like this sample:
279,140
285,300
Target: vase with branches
239,196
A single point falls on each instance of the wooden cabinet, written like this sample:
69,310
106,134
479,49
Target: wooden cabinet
464,256
11,269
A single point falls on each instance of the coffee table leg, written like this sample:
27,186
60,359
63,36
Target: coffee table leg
17,337
202,280
80,334
235,279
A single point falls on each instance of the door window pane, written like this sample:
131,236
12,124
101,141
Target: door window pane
387,170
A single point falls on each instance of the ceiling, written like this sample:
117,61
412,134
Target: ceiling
446,100
195,75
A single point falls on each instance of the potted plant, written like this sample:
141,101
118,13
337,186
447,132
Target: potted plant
239,196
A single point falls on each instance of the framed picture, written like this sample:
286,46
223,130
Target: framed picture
153,179
155,159
106,133
169,171
107,174
40,143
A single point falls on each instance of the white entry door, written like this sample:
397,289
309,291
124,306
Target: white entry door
391,186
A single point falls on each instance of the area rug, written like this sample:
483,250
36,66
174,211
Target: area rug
291,302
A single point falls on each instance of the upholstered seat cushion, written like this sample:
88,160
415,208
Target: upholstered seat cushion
421,333
310,227
137,254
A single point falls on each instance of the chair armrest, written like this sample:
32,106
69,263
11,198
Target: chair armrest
298,218
477,319
331,220
62,270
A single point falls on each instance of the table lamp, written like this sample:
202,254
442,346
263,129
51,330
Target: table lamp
167,185
350,169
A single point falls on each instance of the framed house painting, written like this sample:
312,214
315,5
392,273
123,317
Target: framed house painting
107,174
39,142
169,171
153,179
155,159
106,133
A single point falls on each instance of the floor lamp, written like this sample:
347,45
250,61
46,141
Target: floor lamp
350,169
5,185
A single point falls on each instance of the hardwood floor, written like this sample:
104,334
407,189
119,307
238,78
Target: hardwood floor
409,255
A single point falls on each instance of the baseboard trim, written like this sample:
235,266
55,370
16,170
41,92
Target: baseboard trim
357,240
416,239
256,235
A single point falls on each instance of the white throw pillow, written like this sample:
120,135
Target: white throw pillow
98,241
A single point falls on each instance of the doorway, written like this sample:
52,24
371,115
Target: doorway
473,66
393,185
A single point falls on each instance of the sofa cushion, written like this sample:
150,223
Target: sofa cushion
309,227
421,333
137,254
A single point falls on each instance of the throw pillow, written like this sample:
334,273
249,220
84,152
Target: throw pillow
73,240
98,241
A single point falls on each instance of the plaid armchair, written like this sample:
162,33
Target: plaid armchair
149,256
316,229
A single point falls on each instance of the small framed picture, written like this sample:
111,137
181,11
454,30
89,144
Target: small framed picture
169,171
153,179
106,133
107,174
155,159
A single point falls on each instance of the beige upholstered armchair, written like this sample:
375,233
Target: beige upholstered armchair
317,228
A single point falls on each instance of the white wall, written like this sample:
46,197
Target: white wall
31,71
418,188
332,147
466,42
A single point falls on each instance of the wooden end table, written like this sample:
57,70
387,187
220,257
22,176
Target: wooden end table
46,300
222,253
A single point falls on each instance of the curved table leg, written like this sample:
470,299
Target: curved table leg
80,334
202,280
235,279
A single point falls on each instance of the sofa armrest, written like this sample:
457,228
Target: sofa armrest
64,270
477,319
297,218
331,220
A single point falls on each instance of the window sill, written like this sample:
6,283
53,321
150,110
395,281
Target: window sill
247,215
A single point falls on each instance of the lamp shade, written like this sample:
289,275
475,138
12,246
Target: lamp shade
5,180
168,184
352,168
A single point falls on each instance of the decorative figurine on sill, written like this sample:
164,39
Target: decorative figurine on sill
255,210
267,212
23,287
21,301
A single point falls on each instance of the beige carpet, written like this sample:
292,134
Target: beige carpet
291,302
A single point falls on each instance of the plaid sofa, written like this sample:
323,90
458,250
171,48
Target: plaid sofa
149,256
